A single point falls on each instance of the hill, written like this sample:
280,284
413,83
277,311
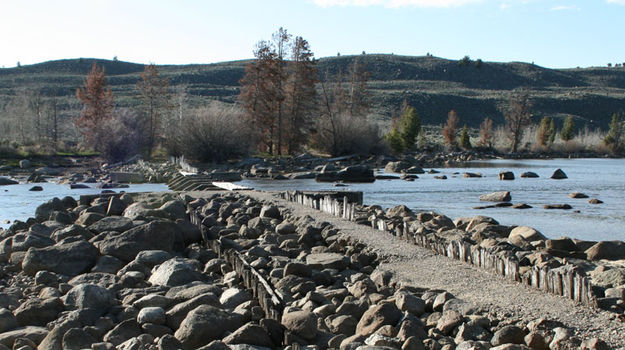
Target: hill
432,85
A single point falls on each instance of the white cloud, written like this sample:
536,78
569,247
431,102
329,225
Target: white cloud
565,8
395,3
620,2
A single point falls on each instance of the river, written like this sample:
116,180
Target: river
455,197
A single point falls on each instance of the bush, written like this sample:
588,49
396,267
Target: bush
120,136
215,133
465,141
345,134
566,134
393,138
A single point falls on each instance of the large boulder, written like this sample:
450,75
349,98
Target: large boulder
67,259
525,233
608,250
203,325
396,167
42,213
111,223
302,323
34,333
377,316
6,181
176,272
322,261
559,175
251,334
155,235
354,173
233,297
501,196
89,296
38,312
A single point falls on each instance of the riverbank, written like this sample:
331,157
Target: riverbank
132,270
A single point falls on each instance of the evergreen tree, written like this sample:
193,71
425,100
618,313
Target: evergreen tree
552,132
615,134
543,133
409,128
566,134
395,141
465,141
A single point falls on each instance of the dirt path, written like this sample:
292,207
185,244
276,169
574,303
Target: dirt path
422,268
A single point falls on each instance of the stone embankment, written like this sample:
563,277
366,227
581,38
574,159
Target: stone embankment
226,270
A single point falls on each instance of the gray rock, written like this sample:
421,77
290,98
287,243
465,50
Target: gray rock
609,250
169,342
233,297
502,196
508,335
67,259
410,303
184,293
7,320
558,174
24,241
107,264
204,324
506,175
43,211
343,324
301,323
71,231
77,339
250,334
285,228
153,300
88,218
6,181
377,316
177,313
270,211
103,279
176,272
176,209
122,332
155,235
297,269
89,296
36,334
116,206
322,261
111,223
38,312
154,315
151,258
529,174
449,321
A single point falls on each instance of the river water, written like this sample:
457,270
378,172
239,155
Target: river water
455,197
17,202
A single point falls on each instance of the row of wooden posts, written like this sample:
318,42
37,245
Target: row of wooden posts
564,281
270,300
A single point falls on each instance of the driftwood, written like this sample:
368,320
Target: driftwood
563,281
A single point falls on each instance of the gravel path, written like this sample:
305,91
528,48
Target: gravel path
422,268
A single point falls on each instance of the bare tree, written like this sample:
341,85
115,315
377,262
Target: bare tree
450,130
156,104
518,116
97,99
486,133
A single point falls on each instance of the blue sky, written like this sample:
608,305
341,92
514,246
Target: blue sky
550,33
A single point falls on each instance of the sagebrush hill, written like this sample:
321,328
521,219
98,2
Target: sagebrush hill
474,89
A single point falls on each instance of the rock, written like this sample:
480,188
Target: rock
613,277
529,174
233,297
508,335
396,167
38,312
343,324
506,175
176,209
250,334
322,261
502,196
71,231
441,299
563,243
125,330
176,272
410,303
7,320
557,206
204,324
471,175
449,321
107,264
67,259
399,211
77,339
43,211
169,342
78,186
25,164
617,293
302,323
595,201
297,269
270,211
525,233
155,235
535,340
377,316
177,313
6,181
414,170
354,173
559,175
154,315
285,228
521,206
88,218
24,241
594,344
577,195
608,250
89,296
116,207
33,333
36,189
111,223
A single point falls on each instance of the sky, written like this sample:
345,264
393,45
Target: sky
549,33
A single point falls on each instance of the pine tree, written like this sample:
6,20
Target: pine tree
409,127
465,141
566,134
614,139
395,141
552,132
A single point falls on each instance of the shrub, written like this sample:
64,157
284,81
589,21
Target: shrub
344,134
394,140
215,133
566,134
449,130
410,125
543,133
486,133
120,136
465,141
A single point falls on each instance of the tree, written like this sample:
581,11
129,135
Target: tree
409,127
543,133
552,132
394,140
465,140
155,104
486,133
97,99
301,95
614,138
566,134
517,113
358,95
450,129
